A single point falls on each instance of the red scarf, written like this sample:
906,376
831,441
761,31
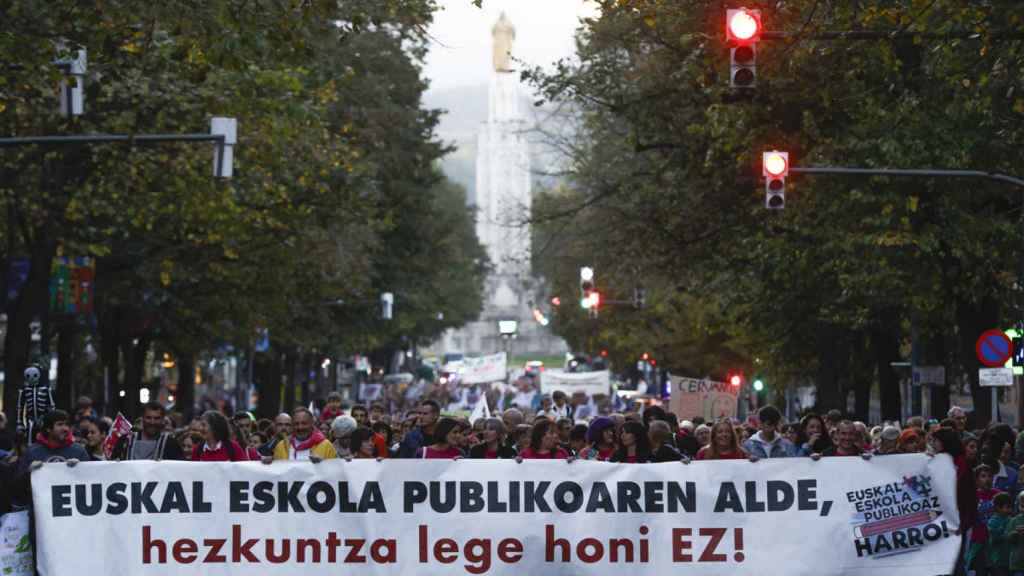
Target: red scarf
315,438
45,441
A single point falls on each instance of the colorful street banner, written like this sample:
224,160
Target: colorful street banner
592,383
837,516
71,285
705,398
121,427
484,369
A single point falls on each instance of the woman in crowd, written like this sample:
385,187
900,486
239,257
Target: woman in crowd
94,432
703,435
493,444
543,442
447,438
601,435
970,443
187,439
634,446
911,441
947,441
814,429
724,443
217,445
578,440
361,443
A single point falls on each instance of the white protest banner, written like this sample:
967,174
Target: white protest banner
795,516
570,382
484,369
705,398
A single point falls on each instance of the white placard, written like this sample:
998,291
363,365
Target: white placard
995,377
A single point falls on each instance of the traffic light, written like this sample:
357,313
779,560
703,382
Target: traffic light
775,167
758,385
586,285
735,379
556,301
743,32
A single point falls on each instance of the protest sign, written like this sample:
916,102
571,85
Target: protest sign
890,515
15,547
121,427
484,369
706,398
591,383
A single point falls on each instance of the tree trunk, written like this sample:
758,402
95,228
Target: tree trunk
827,382
268,384
134,350
886,347
185,398
291,363
862,377
110,330
64,393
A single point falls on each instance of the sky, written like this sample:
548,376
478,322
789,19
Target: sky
461,50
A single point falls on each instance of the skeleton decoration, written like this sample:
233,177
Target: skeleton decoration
35,401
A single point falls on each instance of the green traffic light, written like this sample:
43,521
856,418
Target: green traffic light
758,385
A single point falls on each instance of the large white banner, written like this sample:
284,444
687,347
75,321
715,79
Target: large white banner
570,382
484,369
837,516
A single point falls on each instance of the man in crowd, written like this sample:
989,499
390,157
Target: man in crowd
244,421
361,416
53,443
959,417
376,412
888,441
846,441
561,408
150,443
282,430
84,411
305,442
423,435
767,442
333,408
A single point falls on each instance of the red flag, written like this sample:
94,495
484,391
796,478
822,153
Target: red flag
121,427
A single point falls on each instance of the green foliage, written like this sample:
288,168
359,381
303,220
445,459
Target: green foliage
666,189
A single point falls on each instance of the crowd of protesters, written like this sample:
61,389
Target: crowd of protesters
989,490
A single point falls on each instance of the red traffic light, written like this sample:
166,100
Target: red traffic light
775,164
556,301
735,380
743,25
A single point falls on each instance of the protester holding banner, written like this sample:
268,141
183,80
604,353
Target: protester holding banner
217,445
306,442
724,443
53,443
151,442
447,437
634,447
543,442
847,441
767,442
493,445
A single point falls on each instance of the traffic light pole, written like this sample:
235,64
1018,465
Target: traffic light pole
914,172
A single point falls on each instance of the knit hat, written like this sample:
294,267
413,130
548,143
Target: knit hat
597,427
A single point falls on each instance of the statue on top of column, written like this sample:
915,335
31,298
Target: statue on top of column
504,34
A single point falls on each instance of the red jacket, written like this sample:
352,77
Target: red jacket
203,454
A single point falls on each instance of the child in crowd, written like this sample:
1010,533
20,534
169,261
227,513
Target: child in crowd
977,554
998,535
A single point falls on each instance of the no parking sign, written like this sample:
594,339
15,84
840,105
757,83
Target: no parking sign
994,348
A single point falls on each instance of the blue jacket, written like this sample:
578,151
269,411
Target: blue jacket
41,453
412,442
761,448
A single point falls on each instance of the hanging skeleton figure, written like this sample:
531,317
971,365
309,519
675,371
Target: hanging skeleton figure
35,401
